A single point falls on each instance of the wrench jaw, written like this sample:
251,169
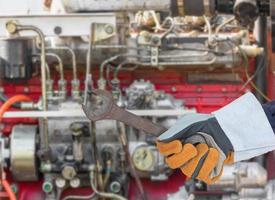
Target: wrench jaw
98,106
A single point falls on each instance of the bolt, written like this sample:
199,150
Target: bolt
11,27
60,182
68,172
109,29
47,187
75,182
115,187
77,128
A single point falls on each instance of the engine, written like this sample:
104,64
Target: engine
159,59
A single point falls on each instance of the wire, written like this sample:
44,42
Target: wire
255,74
111,59
8,189
207,22
3,98
120,66
91,196
223,24
246,65
10,102
124,143
103,194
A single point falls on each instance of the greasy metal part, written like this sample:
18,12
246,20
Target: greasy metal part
2,158
60,64
246,11
49,88
103,31
102,194
68,172
77,132
198,7
88,75
23,153
125,144
71,51
62,89
21,28
15,59
48,24
239,176
101,106
116,5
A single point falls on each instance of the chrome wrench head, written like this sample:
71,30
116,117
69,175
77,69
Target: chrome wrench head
99,105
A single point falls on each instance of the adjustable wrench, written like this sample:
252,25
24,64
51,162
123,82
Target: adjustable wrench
100,106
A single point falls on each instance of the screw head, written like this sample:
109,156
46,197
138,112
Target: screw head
109,29
75,182
60,182
68,172
11,27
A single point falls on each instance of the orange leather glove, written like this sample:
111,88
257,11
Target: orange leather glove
198,146
195,161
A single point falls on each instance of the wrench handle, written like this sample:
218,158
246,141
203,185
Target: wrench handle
135,121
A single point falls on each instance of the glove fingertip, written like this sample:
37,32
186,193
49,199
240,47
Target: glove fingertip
178,160
169,148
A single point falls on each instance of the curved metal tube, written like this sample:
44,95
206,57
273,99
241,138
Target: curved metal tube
43,75
103,64
43,59
73,58
60,63
119,67
103,194
224,24
48,71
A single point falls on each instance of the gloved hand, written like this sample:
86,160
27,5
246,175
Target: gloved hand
199,148
200,145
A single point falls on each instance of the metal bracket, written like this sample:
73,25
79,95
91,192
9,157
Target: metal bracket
70,25
154,56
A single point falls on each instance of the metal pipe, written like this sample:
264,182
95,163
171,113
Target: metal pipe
71,51
60,64
210,62
209,29
103,194
48,71
88,63
78,197
43,58
103,64
224,24
122,64
41,36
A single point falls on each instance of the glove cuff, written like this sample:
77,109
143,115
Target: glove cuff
245,124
